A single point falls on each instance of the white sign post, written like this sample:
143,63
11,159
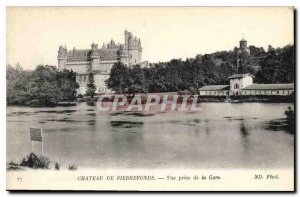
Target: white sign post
36,134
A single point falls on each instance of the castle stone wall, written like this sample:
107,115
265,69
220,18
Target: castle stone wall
78,68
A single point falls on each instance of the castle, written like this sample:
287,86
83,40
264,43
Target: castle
99,60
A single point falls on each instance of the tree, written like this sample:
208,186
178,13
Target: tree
136,81
119,78
90,86
270,49
66,80
275,66
45,85
18,67
17,91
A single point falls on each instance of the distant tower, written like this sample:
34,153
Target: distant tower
243,43
242,54
62,57
244,46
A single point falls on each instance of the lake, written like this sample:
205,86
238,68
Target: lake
221,135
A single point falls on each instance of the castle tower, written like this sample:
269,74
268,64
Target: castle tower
123,54
62,57
126,33
133,45
140,51
95,57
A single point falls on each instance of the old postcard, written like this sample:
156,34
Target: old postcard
150,98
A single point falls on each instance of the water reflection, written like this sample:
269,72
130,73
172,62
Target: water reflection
62,120
207,127
280,125
56,111
91,103
244,137
92,122
126,124
243,129
137,114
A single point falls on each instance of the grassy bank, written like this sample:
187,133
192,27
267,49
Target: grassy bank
33,161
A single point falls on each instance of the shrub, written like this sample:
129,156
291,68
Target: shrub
57,166
36,162
73,167
290,119
13,166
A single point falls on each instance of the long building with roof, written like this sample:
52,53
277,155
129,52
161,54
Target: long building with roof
99,60
242,84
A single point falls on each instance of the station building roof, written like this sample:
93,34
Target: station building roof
214,88
286,86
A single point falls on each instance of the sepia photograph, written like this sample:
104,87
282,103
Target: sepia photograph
150,98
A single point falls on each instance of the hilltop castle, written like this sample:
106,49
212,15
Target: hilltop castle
99,60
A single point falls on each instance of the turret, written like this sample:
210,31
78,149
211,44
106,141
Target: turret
62,57
140,51
243,44
126,33
111,44
95,52
133,46
95,56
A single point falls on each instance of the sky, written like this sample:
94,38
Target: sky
35,33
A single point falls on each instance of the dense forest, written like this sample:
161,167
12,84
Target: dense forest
271,66
43,86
